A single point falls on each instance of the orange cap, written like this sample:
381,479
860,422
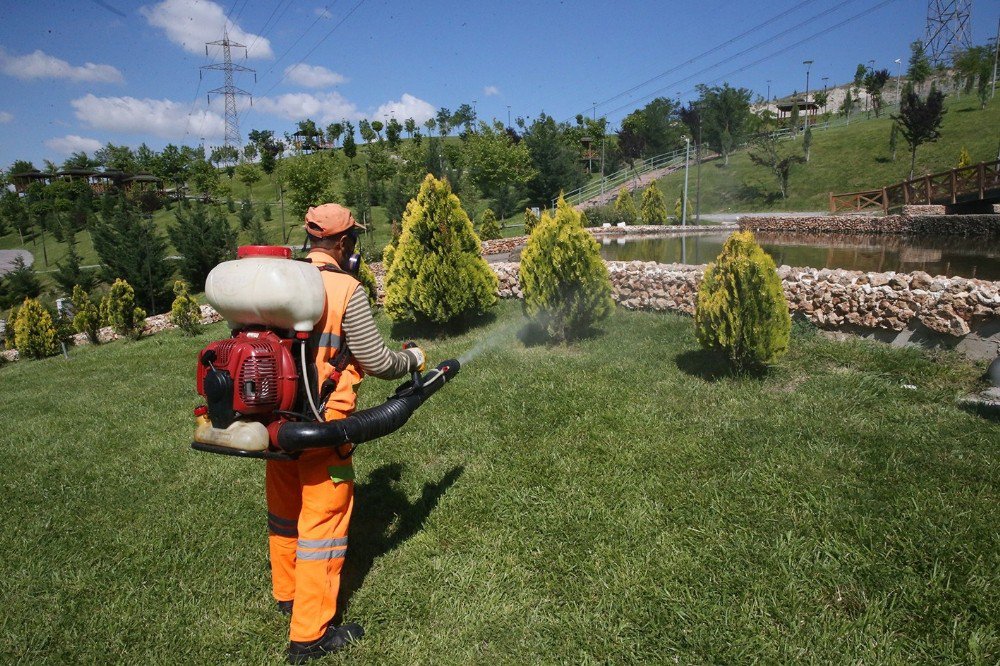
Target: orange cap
329,220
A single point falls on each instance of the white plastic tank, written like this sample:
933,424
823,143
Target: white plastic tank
265,287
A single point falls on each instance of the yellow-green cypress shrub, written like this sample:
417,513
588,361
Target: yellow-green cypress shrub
34,331
87,317
625,207
566,286
530,221
119,311
184,312
8,336
366,276
741,309
489,228
654,206
437,272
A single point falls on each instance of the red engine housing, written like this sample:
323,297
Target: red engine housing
262,369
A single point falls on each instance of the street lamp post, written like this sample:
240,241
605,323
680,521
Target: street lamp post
687,156
768,100
508,115
808,64
899,76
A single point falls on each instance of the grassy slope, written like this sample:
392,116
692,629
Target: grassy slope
843,159
619,500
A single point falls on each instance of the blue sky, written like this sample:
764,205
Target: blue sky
78,74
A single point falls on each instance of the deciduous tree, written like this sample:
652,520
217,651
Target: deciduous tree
920,120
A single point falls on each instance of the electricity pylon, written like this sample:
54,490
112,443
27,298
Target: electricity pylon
949,28
229,90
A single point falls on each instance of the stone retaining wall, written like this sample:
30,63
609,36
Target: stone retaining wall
505,245
951,225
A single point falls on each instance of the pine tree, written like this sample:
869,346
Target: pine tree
34,331
489,228
566,285
203,238
132,249
69,273
20,283
654,207
625,206
741,309
964,158
437,272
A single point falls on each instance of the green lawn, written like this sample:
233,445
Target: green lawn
622,500
843,159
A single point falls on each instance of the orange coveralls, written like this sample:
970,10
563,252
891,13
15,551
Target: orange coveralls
309,500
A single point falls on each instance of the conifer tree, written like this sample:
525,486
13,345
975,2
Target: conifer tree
119,311
203,238
530,221
87,317
132,249
437,272
34,331
185,313
625,207
20,283
70,273
741,309
489,228
566,285
654,206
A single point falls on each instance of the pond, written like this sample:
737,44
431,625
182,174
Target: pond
951,256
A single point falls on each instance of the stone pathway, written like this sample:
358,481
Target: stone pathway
7,258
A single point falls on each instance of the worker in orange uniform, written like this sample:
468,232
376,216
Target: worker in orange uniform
309,500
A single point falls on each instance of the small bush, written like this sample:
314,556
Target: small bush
625,207
118,310
8,335
489,228
34,332
366,276
265,211
530,221
566,285
654,206
741,308
437,273
87,317
598,216
184,312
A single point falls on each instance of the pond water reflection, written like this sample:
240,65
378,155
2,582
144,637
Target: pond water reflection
951,256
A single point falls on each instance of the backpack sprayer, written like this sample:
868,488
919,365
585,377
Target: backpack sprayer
259,384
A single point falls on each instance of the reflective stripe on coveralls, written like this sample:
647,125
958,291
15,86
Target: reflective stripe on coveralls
309,490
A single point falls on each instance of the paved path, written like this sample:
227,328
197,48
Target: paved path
7,259
732,218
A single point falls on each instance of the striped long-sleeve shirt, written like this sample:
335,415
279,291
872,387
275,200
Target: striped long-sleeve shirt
366,345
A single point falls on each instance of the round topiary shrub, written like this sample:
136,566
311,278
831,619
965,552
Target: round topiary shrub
566,286
34,331
625,207
437,273
489,228
119,311
741,309
654,207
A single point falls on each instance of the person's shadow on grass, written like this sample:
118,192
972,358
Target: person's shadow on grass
383,519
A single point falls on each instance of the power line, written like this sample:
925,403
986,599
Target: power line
320,42
298,39
715,48
759,60
263,30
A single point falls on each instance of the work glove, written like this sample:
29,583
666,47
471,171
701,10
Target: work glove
418,355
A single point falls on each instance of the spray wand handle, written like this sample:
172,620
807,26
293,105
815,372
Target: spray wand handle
417,378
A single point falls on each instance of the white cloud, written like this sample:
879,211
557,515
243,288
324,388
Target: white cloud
490,91
324,108
6,117
71,143
407,106
40,65
323,12
160,117
313,76
193,23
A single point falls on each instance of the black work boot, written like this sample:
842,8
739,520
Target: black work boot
334,640
285,607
